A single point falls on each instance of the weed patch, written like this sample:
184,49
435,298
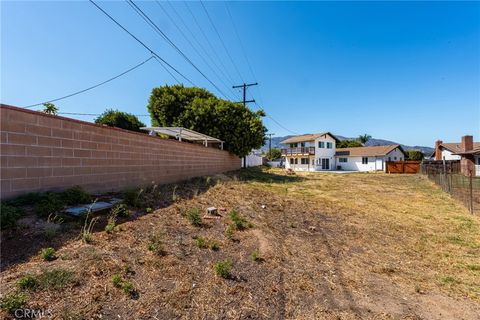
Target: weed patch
193,215
48,254
223,268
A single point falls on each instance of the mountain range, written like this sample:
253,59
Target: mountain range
372,142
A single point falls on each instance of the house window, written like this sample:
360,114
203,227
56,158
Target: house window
293,145
302,144
296,160
292,161
342,159
364,160
329,145
395,158
478,161
321,144
305,161
389,159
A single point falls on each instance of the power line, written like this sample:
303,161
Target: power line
143,44
191,44
243,49
152,24
206,38
278,123
221,40
94,86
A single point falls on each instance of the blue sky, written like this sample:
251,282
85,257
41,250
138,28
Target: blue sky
408,72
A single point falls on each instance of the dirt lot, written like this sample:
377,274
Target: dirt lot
330,246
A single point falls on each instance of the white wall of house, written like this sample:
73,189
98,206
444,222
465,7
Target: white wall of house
373,164
447,155
323,152
297,165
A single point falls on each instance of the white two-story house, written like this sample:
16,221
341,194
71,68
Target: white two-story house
318,152
310,152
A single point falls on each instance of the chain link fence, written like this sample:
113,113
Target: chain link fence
447,175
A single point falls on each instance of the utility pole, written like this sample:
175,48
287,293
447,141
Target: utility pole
270,144
244,86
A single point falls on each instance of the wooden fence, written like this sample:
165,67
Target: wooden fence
402,166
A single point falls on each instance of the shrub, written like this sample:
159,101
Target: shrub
75,195
55,279
50,204
48,254
12,302
223,268
128,288
193,215
121,210
26,199
87,229
255,256
28,282
230,231
112,220
155,245
148,210
132,197
117,280
50,233
9,216
119,119
201,242
239,222
213,245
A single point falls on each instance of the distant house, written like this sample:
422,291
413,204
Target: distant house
368,158
450,150
318,152
469,154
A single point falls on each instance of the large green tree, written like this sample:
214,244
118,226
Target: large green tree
119,119
349,144
274,154
199,110
414,155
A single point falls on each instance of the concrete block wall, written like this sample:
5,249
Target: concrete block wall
40,152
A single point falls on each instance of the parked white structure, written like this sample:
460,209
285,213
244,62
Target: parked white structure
252,160
318,152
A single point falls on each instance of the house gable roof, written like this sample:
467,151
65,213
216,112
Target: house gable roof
308,137
456,147
368,151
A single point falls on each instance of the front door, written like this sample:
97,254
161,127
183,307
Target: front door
325,164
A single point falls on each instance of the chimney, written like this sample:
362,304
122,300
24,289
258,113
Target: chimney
467,143
438,151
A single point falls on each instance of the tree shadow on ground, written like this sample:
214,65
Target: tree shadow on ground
32,233
261,174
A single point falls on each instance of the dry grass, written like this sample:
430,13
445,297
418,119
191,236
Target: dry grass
350,246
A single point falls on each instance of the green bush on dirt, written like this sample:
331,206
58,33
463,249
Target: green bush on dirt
9,216
12,302
156,245
223,268
48,254
239,222
75,195
28,282
193,215
52,203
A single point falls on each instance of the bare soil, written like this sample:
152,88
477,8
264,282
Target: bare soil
352,246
